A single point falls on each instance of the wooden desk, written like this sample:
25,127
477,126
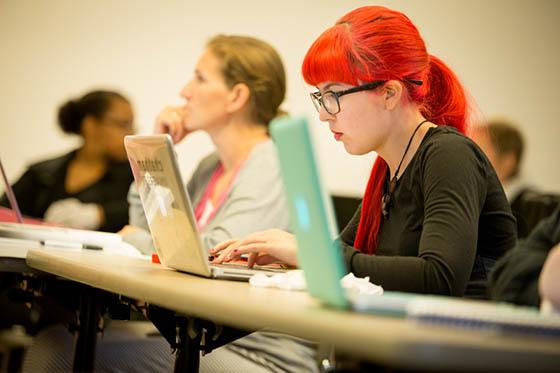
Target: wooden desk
384,340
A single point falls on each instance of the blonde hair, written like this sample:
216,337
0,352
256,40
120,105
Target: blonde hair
255,63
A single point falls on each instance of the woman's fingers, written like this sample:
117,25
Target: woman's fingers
170,121
222,256
252,259
269,246
254,251
222,245
260,259
176,131
266,259
227,252
232,251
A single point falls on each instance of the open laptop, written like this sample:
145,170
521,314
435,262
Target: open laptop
169,211
311,212
11,196
322,262
35,230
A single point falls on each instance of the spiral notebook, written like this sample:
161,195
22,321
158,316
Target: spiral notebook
500,317
323,264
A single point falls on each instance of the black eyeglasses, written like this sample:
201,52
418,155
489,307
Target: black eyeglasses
124,124
329,100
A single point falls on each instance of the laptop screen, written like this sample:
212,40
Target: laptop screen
11,195
311,211
166,204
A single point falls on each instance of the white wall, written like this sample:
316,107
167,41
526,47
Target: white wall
506,52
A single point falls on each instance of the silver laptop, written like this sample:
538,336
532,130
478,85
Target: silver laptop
169,211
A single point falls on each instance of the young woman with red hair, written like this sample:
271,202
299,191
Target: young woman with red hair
434,216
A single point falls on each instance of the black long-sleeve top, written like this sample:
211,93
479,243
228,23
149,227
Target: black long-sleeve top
515,277
43,183
448,222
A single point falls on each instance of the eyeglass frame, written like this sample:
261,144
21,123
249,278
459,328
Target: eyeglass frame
317,97
123,124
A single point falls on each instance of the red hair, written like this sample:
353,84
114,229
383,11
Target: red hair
376,43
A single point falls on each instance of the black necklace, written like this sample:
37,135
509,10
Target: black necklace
388,193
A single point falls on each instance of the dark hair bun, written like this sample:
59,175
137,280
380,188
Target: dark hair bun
95,104
70,117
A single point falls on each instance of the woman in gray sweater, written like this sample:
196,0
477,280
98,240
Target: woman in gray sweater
237,88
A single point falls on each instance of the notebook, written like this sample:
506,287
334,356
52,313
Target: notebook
169,211
323,265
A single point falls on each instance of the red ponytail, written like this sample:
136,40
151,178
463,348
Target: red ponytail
370,218
376,43
446,102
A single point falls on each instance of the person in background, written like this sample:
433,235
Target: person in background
503,143
434,216
87,187
515,277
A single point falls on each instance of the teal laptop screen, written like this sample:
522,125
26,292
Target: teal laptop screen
311,212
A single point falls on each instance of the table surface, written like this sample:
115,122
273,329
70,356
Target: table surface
385,340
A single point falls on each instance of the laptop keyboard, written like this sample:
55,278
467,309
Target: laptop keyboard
243,266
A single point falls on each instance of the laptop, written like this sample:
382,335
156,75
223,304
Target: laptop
26,231
170,214
321,258
11,196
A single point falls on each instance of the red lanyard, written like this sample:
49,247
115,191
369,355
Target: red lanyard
201,206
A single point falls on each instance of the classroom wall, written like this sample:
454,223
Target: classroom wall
505,51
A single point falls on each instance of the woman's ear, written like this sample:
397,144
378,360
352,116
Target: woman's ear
88,126
392,91
238,97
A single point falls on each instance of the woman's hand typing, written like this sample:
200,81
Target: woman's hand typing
267,247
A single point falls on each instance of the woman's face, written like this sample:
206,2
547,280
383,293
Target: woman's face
113,126
362,124
206,95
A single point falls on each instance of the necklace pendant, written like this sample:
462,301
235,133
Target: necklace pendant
385,204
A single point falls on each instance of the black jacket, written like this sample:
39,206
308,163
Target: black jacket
43,183
530,207
515,277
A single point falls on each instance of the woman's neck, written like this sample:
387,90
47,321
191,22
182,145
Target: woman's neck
393,150
90,153
235,141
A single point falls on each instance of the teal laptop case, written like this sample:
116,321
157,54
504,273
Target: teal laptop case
310,211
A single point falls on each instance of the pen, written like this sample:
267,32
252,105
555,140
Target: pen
69,245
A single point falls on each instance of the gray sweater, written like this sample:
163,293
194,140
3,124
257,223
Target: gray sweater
256,200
